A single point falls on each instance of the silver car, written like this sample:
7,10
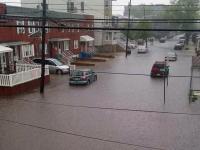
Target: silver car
171,56
55,66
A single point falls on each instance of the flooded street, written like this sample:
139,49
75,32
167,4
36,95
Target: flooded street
118,112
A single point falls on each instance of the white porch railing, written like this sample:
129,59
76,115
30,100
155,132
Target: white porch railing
24,76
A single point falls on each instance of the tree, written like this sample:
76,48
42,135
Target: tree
183,9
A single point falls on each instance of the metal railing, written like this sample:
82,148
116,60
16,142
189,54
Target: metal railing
24,74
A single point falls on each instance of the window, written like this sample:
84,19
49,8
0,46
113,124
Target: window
82,7
70,6
31,30
47,29
106,3
69,28
27,50
37,23
108,36
78,27
20,30
75,44
46,50
66,45
72,27
107,20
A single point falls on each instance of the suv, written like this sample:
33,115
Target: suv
84,76
160,69
55,66
162,40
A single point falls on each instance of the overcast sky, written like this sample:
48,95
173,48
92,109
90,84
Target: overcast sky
116,9
119,10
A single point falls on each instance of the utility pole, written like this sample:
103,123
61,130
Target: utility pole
127,32
43,47
145,18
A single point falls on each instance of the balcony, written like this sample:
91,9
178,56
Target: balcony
25,77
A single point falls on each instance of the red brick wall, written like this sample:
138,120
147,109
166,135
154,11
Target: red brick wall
10,34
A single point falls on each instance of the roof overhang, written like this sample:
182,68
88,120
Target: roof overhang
15,43
86,38
4,49
58,39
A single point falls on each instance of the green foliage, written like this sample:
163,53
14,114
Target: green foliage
139,34
183,9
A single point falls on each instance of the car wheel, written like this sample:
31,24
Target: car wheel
59,72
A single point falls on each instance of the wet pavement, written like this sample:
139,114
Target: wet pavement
118,112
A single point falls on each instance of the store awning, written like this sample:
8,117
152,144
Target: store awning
58,39
4,49
14,43
86,38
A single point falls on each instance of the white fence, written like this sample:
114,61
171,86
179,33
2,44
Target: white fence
34,72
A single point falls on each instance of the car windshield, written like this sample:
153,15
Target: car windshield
78,73
58,63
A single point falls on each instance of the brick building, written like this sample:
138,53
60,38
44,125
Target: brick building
26,42
19,44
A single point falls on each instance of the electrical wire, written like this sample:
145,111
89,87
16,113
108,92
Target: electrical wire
79,135
101,28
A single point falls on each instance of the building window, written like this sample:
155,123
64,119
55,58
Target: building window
31,30
20,30
37,23
70,6
78,26
27,50
72,27
47,29
108,36
106,3
107,21
82,7
76,44
69,28
66,45
46,49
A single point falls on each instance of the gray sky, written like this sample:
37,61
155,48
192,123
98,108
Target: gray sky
119,9
116,9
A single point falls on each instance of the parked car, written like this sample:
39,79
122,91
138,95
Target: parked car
55,66
160,69
171,56
142,49
162,40
178,46
84,76
132,45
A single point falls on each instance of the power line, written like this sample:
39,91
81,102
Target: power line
101,28
79,135
110,108
96,19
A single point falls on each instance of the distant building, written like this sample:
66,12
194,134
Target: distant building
26,42
101,9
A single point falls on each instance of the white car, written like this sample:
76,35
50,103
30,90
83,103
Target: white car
55,66
142,49
171,56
